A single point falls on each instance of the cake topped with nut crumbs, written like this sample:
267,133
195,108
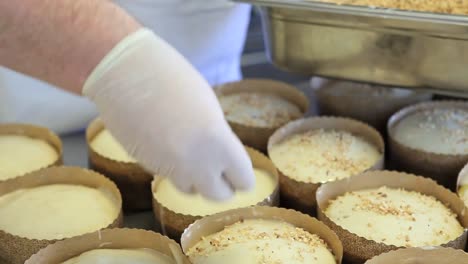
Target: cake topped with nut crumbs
438,130
323,155
395,217
259,109
433,6
258,241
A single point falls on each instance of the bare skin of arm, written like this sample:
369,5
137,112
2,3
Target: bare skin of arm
60,41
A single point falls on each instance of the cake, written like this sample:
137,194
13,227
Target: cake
320,155
439,130
121,256
434,6
463,193
463,184
258,109
107,146
56,211
22,154
261,241
395,217
196,205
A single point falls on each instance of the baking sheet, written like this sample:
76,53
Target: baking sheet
374,45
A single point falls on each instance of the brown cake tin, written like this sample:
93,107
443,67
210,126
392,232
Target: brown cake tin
133,181
358,249
15,249
257,136
173,224
300,195
36,132
109,239
215,223
443,168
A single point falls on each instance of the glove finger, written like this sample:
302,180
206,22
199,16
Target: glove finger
182,184
239,170
214,187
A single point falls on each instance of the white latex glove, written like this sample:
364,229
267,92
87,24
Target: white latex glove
168,118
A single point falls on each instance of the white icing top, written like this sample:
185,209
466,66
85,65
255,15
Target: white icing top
395,217
195,204
107,146
443,131
323,155
121,256
21,154
56,211
259,109
258,241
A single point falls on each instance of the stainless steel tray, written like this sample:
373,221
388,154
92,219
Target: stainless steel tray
383,46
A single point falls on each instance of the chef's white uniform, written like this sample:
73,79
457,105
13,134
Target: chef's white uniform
209,33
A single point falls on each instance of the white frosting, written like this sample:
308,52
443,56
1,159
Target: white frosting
443,131
323,155
121,256
21,154
194,204
107,146
259,109
395,217
261,241
56,211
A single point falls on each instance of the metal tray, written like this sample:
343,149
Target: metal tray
382,46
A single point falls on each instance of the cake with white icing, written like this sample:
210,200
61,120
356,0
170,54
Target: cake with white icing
321,155
259,109
256,241
22,154
395,217
56,211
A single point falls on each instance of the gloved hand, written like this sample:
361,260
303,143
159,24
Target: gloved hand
168,118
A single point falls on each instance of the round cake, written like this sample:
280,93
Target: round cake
463,193
259,109
196,205
107,146
22,154
121,256
56,211
323,155
441,131
261,241
395,217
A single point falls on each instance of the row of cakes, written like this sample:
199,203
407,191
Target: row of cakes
407,212
265,168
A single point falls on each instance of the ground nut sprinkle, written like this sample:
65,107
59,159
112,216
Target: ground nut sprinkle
262,241
433,6
395,217
259,109
323,155
439,130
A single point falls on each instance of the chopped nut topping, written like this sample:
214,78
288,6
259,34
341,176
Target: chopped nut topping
395,216
433,6
259,109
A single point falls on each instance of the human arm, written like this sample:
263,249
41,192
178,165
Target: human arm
152,100
60,41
